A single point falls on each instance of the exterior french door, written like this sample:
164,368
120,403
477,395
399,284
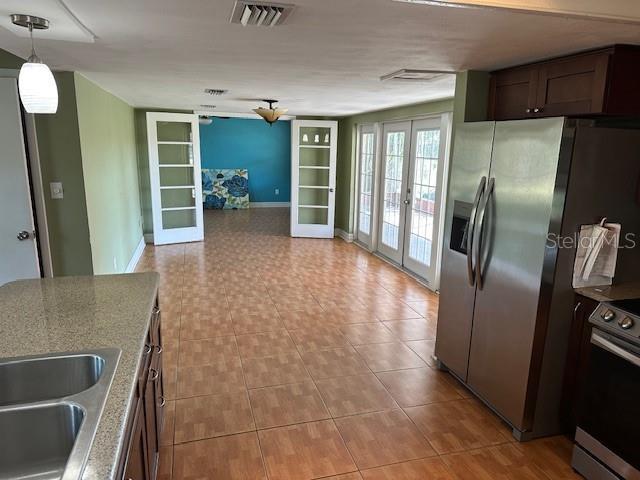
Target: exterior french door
411,187
366,177
393,207
175,176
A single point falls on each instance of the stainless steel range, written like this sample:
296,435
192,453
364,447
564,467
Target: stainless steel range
608,434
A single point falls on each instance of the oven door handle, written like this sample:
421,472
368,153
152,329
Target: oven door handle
611,347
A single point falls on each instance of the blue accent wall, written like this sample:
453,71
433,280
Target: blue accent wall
252,144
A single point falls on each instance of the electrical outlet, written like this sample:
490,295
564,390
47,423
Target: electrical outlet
57,192
277,191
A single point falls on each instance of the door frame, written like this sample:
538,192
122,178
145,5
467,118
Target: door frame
313,231
37,191
446,136
175,235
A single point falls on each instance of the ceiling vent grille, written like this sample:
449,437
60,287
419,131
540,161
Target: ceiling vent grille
407,75
260,14
216,92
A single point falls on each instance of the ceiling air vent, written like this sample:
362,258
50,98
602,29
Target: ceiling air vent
416,75
215,91
265,14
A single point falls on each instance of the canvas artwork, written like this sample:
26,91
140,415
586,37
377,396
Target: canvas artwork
227,188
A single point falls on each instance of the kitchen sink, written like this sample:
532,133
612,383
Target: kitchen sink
50,407
36,379
36,442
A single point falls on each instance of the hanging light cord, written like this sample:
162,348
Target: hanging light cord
33,58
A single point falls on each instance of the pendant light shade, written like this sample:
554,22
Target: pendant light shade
38,89
270,115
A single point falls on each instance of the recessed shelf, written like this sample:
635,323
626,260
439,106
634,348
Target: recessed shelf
173,209
313,206
314,186
315,146
166,142
314,168
175,165
170,187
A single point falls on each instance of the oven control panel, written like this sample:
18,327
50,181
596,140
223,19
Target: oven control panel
618,321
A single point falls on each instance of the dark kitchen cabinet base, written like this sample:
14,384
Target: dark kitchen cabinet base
140,456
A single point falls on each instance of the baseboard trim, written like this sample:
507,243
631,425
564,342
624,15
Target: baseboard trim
135,258
347,237
269,204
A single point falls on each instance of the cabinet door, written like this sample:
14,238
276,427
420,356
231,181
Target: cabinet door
513,93
577,360
573,86
150,415
136,467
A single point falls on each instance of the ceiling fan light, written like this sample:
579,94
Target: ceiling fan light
37,87
270,115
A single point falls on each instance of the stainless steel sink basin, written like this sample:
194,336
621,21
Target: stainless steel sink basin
36,442
36,379
50,407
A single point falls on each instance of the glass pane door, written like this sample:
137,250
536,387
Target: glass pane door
366,176
313,155
176,184
420,251
397,138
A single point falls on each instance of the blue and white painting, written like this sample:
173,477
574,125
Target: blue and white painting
227,188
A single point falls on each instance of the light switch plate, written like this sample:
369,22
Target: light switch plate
57,191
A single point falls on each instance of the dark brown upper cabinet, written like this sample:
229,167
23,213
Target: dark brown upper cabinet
598,82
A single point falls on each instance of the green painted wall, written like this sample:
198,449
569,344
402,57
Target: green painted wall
347,136
61,161
9,60
109,163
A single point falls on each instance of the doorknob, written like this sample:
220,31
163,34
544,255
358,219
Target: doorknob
23,235
406,202
331,189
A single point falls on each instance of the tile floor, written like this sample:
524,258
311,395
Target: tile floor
301,359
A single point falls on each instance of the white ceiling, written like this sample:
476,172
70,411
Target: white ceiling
325,60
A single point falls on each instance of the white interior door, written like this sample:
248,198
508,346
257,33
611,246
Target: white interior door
366,178
424,193
18,249
313,177
175,176
393,187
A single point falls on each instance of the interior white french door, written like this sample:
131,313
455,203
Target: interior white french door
313,177
175,176
411,186
366,183
18,242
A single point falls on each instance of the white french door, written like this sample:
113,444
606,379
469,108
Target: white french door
411,189
366,178
395,163
175,176
313,177
18,243
425,181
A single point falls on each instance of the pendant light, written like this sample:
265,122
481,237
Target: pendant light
270,115
38,89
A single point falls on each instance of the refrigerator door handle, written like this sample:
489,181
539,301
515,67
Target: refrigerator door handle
471,229
478,233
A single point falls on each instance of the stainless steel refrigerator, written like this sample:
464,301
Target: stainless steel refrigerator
516,188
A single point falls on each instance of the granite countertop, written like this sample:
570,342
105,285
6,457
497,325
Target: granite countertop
622,291
67,314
